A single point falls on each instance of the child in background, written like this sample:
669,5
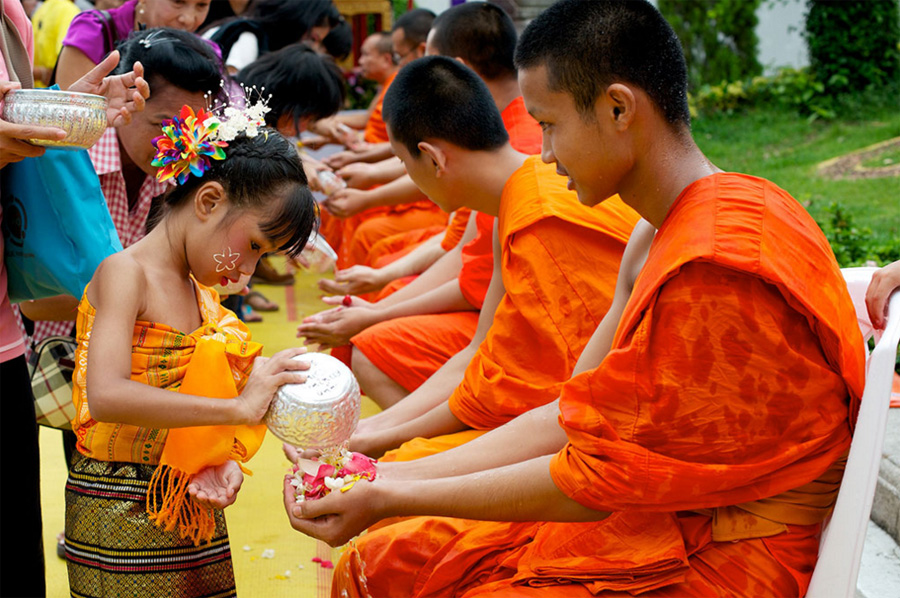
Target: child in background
155,467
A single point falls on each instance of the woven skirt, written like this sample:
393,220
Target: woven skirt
113,549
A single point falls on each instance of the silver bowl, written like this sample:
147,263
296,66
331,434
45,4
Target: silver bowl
81,115
322,412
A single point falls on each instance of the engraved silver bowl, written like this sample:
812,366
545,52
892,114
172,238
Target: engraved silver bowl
322,412
81,115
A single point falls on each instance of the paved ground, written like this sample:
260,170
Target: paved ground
880,572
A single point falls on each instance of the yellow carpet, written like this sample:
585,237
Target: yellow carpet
256,522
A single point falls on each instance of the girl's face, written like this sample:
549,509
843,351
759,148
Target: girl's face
232,247
186,15
136,138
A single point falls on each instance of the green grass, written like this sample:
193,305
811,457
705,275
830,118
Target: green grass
786,149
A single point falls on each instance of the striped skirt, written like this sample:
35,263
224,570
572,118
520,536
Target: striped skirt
113,549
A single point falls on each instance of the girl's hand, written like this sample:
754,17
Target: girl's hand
269,374
216,487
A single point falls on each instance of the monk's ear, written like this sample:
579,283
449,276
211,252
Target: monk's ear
209,201
420,50
619,106
437,156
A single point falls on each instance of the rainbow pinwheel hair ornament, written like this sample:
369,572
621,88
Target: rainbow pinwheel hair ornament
187,146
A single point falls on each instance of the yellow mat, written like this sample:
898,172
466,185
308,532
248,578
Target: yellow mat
257,524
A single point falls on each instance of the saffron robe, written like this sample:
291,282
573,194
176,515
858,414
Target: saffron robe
376,130
560,262
714,430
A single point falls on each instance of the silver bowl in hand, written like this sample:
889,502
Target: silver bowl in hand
81,115
320,413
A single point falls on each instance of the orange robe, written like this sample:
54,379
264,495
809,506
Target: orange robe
376,130
714,430
560,261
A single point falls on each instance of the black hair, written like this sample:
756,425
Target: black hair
302,83
287,21
415,25
339,40
437,97
587,46
172,57
256,173
482,34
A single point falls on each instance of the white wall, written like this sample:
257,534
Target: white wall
780,32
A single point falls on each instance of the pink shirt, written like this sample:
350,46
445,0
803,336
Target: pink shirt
87,34
11,343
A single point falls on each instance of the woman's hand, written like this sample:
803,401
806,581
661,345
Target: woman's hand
14,145
126,93
884,282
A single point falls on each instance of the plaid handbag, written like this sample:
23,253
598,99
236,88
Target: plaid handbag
51,382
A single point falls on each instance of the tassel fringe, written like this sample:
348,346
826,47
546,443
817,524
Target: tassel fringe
177,508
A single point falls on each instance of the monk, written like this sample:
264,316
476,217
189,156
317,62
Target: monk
482,36
362,223
702,454
376,63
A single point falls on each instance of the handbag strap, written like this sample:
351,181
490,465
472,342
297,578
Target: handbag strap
104,17
15,54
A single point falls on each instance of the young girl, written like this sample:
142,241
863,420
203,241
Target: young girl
155,467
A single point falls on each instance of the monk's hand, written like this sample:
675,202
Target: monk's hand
884,282
126,93
355,280
216,487
359,175
268,375
294,454
348,202
337,517
341,159
347,301
335,327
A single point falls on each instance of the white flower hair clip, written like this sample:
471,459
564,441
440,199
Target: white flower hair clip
246,119
155,37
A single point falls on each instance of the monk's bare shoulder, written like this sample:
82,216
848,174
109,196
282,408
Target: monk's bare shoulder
636,251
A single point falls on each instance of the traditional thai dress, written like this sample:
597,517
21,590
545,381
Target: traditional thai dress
131,528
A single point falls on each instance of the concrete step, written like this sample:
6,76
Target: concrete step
879,571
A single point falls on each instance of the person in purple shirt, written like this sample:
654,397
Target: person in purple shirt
89,36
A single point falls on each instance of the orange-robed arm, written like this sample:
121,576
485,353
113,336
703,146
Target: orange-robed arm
393,426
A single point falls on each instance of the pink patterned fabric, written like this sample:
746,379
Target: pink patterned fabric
11,345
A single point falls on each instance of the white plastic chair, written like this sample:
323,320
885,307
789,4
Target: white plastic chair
841,546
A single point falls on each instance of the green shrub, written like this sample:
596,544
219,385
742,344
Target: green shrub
853,44
854,246
793,89
718,37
